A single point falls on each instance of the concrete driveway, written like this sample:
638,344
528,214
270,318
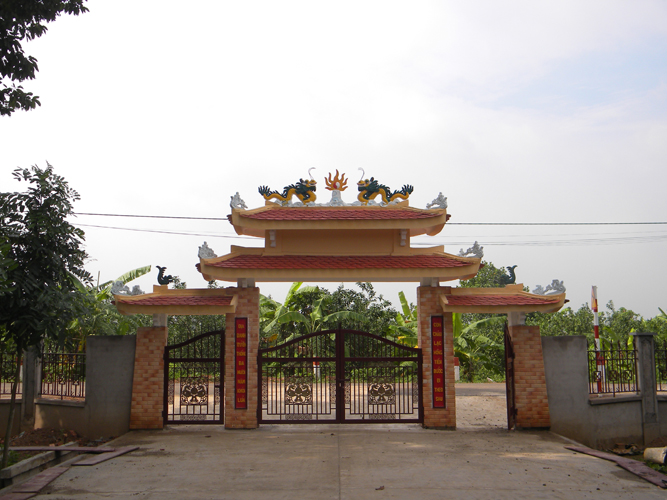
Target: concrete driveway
348,462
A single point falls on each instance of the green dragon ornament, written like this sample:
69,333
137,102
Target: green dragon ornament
369,189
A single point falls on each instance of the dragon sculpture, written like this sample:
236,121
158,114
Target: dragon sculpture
508,280
369,189
161,278
304,190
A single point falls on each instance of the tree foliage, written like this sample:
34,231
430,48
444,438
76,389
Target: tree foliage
41,253
44,253
22,21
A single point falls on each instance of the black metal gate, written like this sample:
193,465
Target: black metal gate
341,376
509,380
192,380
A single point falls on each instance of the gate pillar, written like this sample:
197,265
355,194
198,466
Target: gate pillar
247,309
530,385
148,382
428,306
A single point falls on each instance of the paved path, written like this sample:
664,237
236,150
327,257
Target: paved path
348,462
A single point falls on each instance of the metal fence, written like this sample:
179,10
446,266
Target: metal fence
7,374
612,371
63,375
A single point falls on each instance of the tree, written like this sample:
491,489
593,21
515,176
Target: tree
24,21
45,252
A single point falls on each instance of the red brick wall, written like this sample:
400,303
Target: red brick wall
247,307
148,381
530,385
428,304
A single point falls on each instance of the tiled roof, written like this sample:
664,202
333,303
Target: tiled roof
289,214
336,262
177,300
498,300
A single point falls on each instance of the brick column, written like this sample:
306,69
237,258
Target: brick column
148,381
529,382
246,307
428,304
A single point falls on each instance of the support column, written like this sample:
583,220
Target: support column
247,308
148,382
428,305
645,346
530,384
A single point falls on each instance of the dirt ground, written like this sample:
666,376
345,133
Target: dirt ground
480,406
47,437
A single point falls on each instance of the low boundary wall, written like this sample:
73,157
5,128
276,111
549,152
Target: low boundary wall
106,409
598,422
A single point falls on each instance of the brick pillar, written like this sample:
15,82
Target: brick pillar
246,307
148,381
428,304
530,385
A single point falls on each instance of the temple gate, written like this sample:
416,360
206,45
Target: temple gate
341,242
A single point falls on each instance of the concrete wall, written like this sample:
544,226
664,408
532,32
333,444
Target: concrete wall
598,422
109,375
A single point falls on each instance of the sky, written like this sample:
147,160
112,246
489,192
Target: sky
521,112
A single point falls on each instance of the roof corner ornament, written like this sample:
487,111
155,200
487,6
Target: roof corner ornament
556,287
237,202
161,278
439,202
476,250
304,190
206,252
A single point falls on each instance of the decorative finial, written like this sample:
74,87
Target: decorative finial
237,202
439,202
337,183
161,278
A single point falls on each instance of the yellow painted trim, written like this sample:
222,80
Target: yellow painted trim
513,290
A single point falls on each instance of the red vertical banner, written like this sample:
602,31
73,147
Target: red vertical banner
438,357
241,363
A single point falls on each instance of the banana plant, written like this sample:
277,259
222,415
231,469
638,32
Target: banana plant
472,345
101,317
405,329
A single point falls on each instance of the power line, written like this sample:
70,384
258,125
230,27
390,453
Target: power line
168,232
449,223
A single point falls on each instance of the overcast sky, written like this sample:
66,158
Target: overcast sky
516,111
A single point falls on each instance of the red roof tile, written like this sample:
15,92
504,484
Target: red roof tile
336,262
498,300
178,300
289,214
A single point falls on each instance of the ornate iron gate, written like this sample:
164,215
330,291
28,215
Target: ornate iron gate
509,380
342,376
192,380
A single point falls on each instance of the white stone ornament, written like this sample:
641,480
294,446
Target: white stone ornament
476,251
439,202
119,288
206,252
237,202
556,287
136,290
